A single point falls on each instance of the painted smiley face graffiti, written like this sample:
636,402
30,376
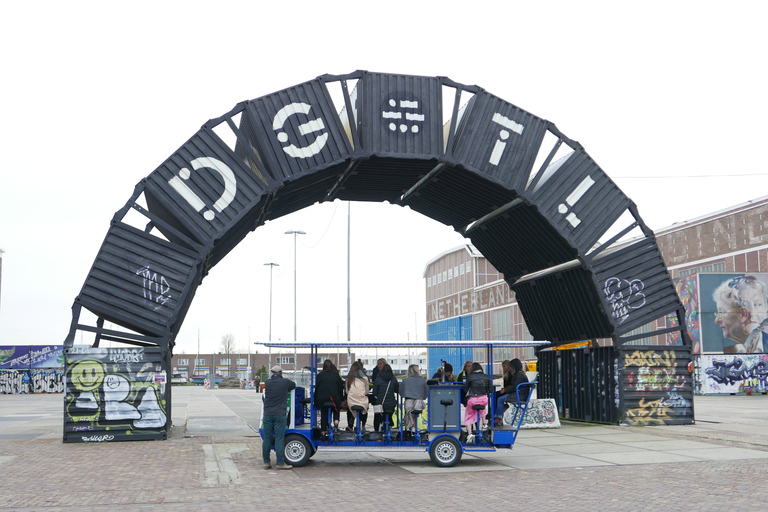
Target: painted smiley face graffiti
87,375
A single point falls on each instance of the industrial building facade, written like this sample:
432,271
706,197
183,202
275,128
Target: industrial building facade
468,299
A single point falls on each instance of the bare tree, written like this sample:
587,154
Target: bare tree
227,344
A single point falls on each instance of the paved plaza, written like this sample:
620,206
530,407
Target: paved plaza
212,461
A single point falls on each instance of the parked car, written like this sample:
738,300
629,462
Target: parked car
178,378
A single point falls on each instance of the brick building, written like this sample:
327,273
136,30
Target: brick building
244,366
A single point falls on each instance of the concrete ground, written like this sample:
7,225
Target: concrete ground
213,461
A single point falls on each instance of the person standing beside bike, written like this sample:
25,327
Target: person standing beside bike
276,391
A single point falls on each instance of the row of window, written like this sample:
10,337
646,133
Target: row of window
289,360
201,362
421,361
449,274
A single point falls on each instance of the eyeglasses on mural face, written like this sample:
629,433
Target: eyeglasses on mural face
720,314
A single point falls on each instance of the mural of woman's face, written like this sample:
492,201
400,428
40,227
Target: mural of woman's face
729,319
755,302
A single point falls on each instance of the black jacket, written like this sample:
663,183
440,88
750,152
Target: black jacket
329,385
276,395
519,378
478,384
380,388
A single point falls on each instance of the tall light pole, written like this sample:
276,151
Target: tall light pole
295,234
271,267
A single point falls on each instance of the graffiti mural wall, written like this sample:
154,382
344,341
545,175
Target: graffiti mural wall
31,369
116,394
734,313
656,386
738,373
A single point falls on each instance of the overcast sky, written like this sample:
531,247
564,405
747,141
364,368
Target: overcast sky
668,97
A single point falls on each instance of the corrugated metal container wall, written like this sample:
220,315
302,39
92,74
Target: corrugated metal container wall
636,285
140,281
579,200
562,307
458,197
521,242
296,131
116,394
202,189
401,115
499,140
656,385
582,382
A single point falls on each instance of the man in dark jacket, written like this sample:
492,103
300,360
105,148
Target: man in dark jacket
276,391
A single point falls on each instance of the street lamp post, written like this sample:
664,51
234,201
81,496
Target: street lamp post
295,234
271,267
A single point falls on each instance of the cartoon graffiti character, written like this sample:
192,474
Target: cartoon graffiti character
116,390
86,376
152,415
624,296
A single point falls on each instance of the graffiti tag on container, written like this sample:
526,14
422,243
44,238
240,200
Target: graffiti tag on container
126,355
675,401
97,439
656,379
624,296
652,358
156,287
648,413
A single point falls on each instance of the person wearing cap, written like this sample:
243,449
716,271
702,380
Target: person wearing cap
275,398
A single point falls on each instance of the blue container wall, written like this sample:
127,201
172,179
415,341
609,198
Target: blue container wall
452,329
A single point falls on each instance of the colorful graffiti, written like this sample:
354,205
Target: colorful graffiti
541,413
121,391
729,374
688,291
657,388
657,412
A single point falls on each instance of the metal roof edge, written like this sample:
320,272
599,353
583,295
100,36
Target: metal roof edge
752,203
467,247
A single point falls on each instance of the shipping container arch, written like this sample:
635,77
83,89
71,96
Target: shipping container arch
530,199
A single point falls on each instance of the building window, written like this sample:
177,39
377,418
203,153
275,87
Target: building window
199,362
502,324
182,362
478,328
461,269
224,362
429,281
456,271
444,274
242,362
469,266
284,359
439,279
450,273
